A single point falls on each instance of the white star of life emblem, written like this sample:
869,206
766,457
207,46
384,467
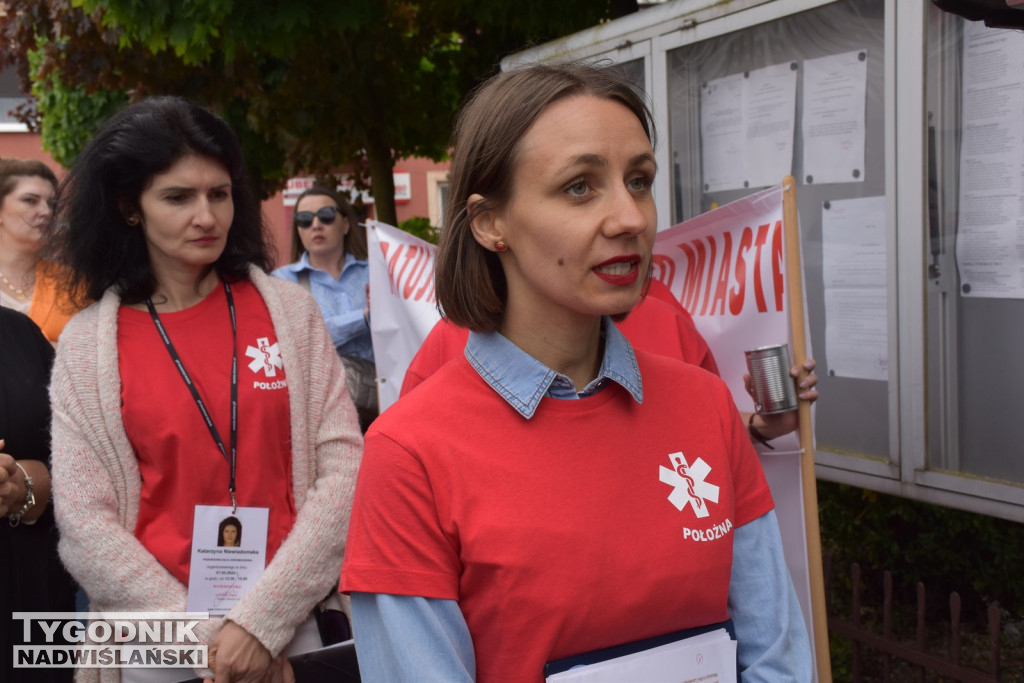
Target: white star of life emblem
688,485
265,356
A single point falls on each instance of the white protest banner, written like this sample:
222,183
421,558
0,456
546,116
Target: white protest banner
727,267
402,302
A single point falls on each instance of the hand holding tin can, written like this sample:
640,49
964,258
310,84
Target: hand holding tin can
774,389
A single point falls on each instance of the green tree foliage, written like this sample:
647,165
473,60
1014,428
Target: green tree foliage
310,85
419,226
71,109
948,550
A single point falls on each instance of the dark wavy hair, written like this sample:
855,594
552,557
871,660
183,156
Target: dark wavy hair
226,522
355,239
92,237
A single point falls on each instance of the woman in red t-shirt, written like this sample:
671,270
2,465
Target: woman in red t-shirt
554,491
196,387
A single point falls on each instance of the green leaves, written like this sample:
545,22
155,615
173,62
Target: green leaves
69,110
946,549
309,85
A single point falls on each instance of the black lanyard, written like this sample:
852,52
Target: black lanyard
232,459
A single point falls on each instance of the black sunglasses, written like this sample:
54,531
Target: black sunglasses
327,214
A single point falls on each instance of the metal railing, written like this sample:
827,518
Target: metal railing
871,641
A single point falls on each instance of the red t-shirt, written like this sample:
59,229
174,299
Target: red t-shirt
179,461
658,324
562,534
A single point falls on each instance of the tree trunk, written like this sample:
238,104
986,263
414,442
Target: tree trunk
380,156
382,184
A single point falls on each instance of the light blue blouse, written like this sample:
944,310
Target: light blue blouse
341,302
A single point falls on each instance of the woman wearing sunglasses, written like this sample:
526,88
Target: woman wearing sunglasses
329,259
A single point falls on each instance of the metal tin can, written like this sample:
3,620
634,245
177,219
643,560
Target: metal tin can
774,389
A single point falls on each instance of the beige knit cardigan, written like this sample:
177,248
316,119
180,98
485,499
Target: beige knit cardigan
97,486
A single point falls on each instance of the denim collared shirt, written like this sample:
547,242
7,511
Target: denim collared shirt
522,380
409,638
341,302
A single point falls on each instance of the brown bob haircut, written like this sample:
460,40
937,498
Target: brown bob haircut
12,170
355,239
469,280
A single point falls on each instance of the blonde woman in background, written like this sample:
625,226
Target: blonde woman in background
27,283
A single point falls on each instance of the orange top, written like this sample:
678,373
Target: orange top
50,308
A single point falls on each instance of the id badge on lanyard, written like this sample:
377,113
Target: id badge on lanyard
229,543
229,554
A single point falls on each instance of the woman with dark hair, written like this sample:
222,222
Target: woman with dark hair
229,533
329,259
28,284
194,381
593,494
102,239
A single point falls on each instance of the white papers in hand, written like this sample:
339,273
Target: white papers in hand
705,658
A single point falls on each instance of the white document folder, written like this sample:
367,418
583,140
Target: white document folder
705,658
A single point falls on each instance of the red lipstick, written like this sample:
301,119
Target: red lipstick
620,270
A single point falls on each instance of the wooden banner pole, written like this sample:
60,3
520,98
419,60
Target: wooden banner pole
794,282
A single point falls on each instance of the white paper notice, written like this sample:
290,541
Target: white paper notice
770,121
747,123
853,268
708,658
721,133
990,235
229,554
835,102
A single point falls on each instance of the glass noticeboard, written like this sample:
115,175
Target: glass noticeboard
804,95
